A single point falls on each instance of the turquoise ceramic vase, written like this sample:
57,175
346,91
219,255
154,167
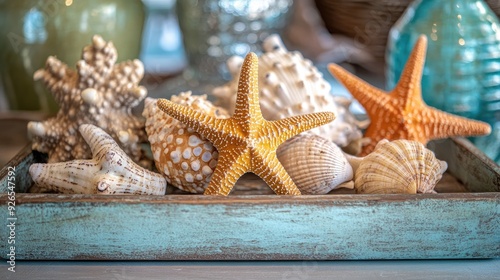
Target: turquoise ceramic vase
30,31
462,69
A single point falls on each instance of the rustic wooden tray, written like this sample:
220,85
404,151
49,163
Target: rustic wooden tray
462,221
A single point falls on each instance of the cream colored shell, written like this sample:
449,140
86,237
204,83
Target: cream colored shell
99,92
315,164
400,166
185,157
291,85
110,171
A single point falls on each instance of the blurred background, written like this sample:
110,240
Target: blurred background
184,45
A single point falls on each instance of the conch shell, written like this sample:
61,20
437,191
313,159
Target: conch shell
110,171
315,164
400,166
186,158
290,85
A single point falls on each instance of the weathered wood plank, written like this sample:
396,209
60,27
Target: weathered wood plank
258,227
468,164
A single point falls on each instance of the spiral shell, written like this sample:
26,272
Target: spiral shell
400,166
110,171
291,85
315,164
185,157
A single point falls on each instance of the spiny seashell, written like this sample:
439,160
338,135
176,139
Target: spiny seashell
315,164
99,92
185,157
291,85
110,171
400,166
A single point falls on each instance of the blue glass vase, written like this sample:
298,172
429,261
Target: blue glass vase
462,69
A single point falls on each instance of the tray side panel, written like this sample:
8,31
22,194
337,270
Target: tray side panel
305,229
20,164
468,164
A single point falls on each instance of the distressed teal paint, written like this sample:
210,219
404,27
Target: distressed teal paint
344,227
265,227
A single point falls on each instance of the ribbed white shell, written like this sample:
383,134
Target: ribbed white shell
291,85
110,171
315,164
400,166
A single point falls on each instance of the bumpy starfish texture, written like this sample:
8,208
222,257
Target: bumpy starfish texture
99,92
401,113
247,142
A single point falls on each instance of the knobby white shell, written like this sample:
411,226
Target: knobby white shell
291,85
315,164
186,158
110,171
400,166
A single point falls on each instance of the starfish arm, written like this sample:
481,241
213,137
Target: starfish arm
267,166
409,89
247,110
279,131
208,126
367,95
438,124
231,165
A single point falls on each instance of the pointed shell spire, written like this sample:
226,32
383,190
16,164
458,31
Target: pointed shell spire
110,171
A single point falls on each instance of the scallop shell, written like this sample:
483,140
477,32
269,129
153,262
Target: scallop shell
290,85
185,157
315,164
400,166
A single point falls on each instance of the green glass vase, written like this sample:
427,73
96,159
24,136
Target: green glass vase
30,31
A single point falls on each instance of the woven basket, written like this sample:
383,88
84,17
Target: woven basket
368,22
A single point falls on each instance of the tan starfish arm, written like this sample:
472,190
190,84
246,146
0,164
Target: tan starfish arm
438,124
232,164
267,166
247,111
208,126
368,95
279,131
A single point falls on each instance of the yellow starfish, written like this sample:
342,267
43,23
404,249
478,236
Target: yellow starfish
401,113
247,142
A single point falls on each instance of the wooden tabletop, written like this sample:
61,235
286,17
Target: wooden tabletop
299,270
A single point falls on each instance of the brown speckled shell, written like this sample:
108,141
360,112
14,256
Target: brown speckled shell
185,157
400,166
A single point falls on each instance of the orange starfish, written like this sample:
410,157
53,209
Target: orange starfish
247,142
401,113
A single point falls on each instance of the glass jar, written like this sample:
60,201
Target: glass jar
30,31
462,68
214,30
